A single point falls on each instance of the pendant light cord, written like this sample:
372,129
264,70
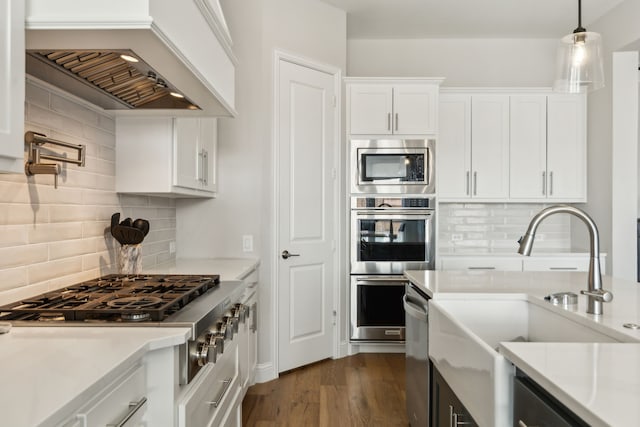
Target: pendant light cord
579,29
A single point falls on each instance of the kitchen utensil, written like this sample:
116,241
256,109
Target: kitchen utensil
131,235
126,222
115,219
142,225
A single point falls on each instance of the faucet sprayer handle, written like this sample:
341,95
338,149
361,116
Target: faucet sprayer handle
599,294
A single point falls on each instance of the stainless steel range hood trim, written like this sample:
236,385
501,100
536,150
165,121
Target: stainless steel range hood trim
149,28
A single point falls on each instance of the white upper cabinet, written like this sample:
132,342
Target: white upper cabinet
472,149
548,147
166,157
393,107
512,147
567,148
12,86
490,146
453,147
528,155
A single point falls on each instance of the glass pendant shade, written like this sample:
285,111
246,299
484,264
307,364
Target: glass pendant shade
579,63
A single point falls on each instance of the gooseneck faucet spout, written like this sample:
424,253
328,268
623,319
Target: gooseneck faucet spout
596,295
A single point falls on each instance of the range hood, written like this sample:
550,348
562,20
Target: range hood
144,57
107,79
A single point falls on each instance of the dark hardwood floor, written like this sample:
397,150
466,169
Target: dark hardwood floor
362,390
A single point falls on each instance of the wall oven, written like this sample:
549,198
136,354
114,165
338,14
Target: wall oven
377,312
392,234
386,166
389,234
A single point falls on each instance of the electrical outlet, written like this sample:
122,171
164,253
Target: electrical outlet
172,248
456,237
247,243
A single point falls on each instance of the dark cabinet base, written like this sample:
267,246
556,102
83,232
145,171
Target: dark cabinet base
446,408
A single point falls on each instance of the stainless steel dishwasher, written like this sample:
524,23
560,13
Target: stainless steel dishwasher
417,353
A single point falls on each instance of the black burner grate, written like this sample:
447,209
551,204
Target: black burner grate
113,298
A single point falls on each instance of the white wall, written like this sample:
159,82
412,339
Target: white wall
620,31
244,204
463,62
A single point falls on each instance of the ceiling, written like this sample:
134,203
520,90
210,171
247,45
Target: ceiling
375,19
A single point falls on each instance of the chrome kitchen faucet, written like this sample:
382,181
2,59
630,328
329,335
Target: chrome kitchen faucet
596,295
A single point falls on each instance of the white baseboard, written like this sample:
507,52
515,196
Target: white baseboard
265,372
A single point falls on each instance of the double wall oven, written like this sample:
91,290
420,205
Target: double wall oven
392,230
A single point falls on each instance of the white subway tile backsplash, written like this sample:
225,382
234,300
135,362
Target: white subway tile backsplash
497,226
69,108
50,237
16,256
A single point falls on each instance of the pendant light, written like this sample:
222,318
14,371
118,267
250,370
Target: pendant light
579,67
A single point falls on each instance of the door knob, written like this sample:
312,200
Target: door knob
286,254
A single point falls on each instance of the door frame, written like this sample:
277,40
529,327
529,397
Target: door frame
280,55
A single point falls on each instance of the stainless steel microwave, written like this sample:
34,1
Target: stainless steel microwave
393,166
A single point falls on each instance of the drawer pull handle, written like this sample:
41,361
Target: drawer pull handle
481,268
225,387
563,268
134,407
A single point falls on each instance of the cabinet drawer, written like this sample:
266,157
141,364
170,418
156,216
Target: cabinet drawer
556,264
210,395
125,403
481,263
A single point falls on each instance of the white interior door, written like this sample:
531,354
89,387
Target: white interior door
306,206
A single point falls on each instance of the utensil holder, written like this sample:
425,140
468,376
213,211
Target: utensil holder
130,259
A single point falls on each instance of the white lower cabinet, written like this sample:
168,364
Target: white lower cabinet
121,403
580,263
575,262
213,391
481,263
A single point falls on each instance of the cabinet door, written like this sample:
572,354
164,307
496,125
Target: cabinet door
208,149
370,109
414,109
12,86
566,147
528,147
453,148
490,146
187,157
447,408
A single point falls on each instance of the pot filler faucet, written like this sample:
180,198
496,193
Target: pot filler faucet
596,295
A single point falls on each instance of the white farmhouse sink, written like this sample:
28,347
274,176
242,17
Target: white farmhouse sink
464,335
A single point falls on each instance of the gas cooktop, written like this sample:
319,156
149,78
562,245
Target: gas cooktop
113,298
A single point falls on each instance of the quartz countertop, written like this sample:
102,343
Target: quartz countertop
227,268
48,371
599,382
583,384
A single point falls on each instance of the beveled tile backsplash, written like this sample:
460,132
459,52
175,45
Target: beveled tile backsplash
55,237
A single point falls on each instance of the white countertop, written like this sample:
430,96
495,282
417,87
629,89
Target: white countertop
227,268
599,382
48,371
561,368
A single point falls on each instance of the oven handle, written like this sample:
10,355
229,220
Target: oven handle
404,212
414,310
381,281
379,215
